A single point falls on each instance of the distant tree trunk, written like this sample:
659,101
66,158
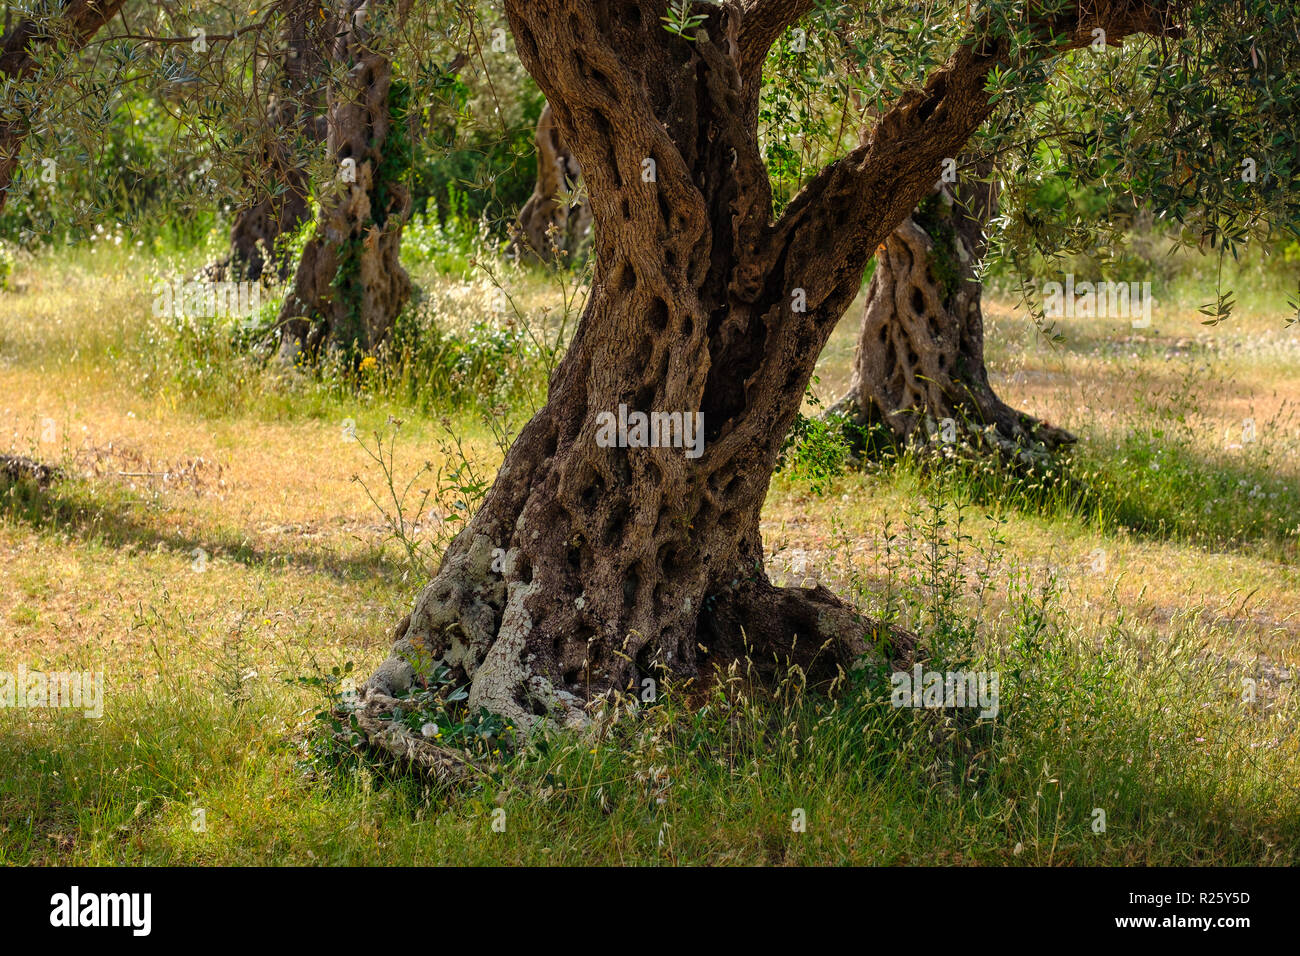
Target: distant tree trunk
25,45
295,112
918,373
256,228
546,225
350,285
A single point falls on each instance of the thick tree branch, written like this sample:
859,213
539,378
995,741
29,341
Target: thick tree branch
852,205
805,270
80,20
591,70
763,22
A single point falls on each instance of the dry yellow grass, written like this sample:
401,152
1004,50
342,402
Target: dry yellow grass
274,505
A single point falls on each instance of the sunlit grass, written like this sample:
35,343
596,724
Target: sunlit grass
1122,614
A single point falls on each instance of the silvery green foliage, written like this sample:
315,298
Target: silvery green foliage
1195,130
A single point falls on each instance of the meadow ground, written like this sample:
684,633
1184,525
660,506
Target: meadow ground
215,540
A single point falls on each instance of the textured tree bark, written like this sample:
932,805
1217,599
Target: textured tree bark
26,42
546,226
350,285
589,565
919,373
296,112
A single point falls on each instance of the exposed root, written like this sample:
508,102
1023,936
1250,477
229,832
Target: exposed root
471,621
393,740
772,629
1017,438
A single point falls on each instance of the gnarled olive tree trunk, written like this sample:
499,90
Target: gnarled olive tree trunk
258,226
919,367
548,226
595,563
350,285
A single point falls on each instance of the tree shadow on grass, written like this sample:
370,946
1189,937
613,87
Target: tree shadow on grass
1151,489
118,519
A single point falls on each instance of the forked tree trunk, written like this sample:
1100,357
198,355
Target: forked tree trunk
295,113
350,285
918,372
548,227
590,567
